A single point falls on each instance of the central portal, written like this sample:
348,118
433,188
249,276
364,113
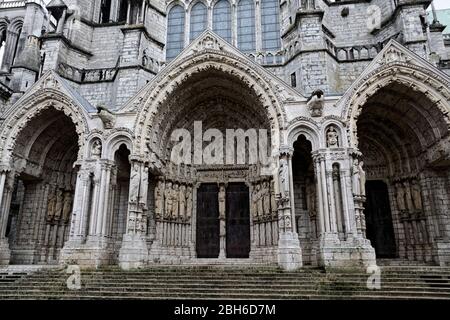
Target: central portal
237,221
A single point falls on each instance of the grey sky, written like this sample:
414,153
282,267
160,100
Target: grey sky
442,4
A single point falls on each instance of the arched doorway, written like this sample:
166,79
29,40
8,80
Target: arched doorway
42,198
397,129
305,197
196,199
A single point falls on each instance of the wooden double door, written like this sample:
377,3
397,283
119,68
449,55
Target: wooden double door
237,221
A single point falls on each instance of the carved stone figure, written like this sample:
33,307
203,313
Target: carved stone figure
182,202
175,204
189,203
400,197
67,207
260,203
266,198
51,206
108,118
135,181
408,196
144,186
283,173
222,200
59,204
316,103
254,206
417,195
332,138
168,201
362,177
356,181
96,149
159,198
273,202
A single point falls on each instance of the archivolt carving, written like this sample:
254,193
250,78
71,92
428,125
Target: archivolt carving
435,87
31,107
170,79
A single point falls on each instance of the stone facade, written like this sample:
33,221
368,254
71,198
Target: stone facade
354,96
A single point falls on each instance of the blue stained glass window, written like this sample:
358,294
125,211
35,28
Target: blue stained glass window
175,32
246,25
222,19
270,25
199,16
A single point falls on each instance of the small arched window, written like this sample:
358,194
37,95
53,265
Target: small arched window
222,19
246,25
199,20
270,25
175,32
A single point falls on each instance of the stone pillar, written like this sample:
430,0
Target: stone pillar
6,189
289,251
222,221
134,251
10,47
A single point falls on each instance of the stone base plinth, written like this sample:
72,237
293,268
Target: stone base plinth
5,252
289,251
351,253
134,252
442,252
95,252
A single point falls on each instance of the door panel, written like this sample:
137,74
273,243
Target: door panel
380,230
208,238
238,221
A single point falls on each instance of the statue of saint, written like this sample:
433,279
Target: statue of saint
362,177
283,173
168,202
51,206
59,204
159,199
222,200
189,203
332,138
175,204
96,150
266,198
417,195
356,181
67,207
400,197
182,202
135,181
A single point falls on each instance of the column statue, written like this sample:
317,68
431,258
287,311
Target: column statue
67,206
222,200
400,197
182,202
189,203
59,204
175,203
283,173
135,181
51,206
356,180
168,204
266,199
417,195
159,198
362,177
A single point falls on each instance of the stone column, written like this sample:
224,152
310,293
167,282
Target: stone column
10,46
289,251
6,189
134,251
222,220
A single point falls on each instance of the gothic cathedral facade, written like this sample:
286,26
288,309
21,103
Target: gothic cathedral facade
272,132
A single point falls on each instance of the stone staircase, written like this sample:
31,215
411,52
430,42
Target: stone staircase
225,283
